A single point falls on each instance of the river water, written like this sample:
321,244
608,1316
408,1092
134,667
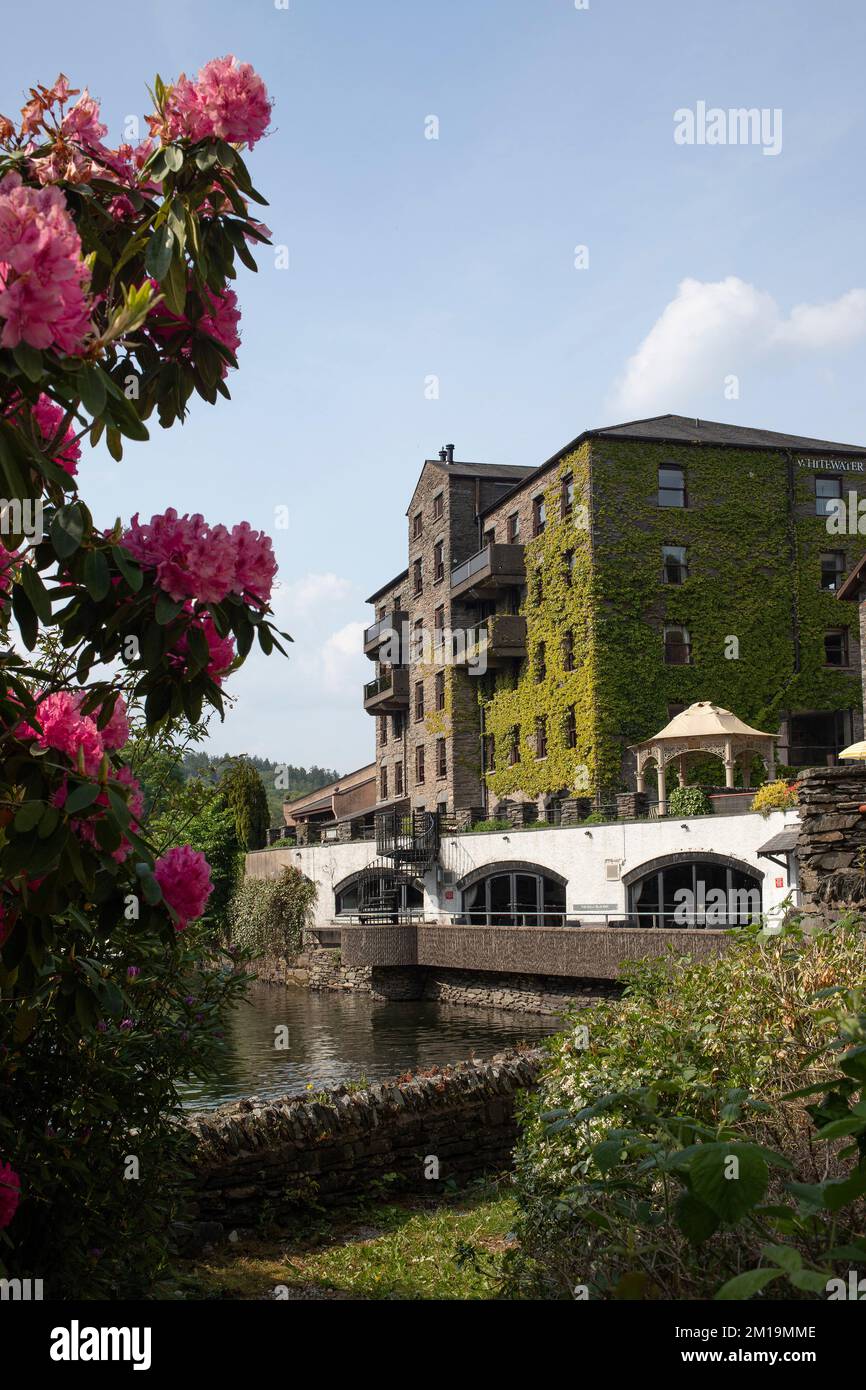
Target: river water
334,1037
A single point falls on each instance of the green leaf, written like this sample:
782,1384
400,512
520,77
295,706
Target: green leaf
96,575
173,156
785,1256
91,388
160,250
25,616
744,1285
82,797
812,1280
67,530
128,568
729,1197
36,592
29,359
167,609
695,1219
839,1128
29,816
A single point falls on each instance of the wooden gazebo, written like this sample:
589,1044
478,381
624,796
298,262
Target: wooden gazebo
704,730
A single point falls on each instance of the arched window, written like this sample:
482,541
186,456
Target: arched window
515,898
695,893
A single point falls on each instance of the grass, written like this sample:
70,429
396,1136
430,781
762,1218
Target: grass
443,1247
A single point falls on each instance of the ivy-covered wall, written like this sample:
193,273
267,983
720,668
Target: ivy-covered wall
752,597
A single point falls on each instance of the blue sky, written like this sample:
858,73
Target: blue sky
411,257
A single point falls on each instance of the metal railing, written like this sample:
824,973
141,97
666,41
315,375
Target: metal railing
475,563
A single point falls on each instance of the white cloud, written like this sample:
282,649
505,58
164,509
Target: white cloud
713,329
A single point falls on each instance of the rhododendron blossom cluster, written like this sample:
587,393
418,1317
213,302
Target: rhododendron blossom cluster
196,561
183,874
64,728
43,278
220,321
228,101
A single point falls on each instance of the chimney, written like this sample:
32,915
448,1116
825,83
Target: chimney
449,453
443,456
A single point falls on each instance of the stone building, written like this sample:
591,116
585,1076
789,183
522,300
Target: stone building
549,619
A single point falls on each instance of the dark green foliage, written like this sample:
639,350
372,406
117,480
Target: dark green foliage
244,792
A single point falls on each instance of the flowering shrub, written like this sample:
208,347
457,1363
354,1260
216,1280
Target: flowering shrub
116,306
775,796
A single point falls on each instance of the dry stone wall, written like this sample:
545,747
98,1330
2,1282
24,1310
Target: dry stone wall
258,1161
831,845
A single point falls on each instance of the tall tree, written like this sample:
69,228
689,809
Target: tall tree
244,792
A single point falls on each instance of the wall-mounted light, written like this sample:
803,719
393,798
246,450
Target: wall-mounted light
684,826
506,840
588,832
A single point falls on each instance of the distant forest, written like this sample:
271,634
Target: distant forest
293,781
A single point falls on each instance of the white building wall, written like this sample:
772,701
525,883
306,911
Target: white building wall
578,854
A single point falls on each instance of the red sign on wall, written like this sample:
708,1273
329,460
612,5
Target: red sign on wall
780,883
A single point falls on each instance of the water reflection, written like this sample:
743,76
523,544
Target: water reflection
334,1037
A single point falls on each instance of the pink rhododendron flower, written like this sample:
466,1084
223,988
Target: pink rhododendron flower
116,732
81,122
8,559
183,874
255,563
196,561
10,1194
43,279
67,730
48,417
229,101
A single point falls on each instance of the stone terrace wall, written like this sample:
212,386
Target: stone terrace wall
831,845
257,1157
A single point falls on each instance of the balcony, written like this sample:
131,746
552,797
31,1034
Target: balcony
409,838
389,692
494,568
389,628
499,639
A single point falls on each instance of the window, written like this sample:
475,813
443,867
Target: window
383,784
568,652
418,577
514,745
419,764
571,727
827,491
397,725
438,505
678,646
440,690
541,736
438,561
439,618
540,662
419,701
489,537
674,710
539,516
567,495
442,809
569,567
488,749
514,527
515,899
441,758
672,486
836,646
832,569
656,900
417,525
417,652
383,728
674,564
398,779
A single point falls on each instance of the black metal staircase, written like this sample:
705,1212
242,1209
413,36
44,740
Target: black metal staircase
408,838
380,895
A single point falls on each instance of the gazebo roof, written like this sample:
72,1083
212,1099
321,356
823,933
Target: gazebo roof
704,720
